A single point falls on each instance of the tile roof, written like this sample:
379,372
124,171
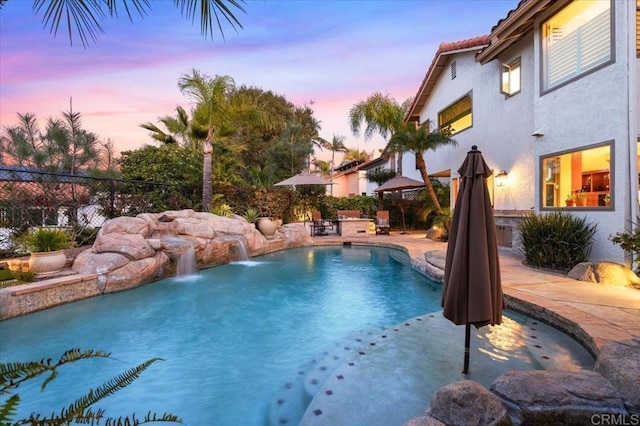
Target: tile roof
436,67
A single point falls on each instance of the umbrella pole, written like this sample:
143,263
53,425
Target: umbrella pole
467,338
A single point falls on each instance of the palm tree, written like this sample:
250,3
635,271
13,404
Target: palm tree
336,145
211,97
322,167
178,130
418,140
85,17
382,115
353,154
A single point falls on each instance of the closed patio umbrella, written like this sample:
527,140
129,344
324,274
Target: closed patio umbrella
472,291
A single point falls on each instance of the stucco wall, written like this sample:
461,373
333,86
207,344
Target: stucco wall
593,109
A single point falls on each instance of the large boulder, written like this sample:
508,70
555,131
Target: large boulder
133,246
467,403
137,272
619,363
126,225
90,262
544,397
605,273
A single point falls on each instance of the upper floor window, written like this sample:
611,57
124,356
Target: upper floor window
580,178
457,116
510,78
638,27
576,40
454,72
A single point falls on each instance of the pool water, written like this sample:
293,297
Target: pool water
230,336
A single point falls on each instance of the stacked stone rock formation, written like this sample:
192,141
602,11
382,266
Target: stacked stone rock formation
130,251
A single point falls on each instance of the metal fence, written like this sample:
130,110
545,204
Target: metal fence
79,203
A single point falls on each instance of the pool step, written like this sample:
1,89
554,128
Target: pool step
292,399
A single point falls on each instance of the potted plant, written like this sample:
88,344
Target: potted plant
570,200
251,215
581,199
46,246
607,199
271,205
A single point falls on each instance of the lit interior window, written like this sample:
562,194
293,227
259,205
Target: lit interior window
576,40
578,179
457,116
510,78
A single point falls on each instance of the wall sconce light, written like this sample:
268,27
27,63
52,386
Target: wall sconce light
501,178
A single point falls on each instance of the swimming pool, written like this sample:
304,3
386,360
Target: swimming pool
231,336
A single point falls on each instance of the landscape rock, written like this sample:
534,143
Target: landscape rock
133,246
619,363
130,251
467,403
137,272
423,421
90,262
435,233
544,397
125,225
605,273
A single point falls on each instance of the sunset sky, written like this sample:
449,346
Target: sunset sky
332,54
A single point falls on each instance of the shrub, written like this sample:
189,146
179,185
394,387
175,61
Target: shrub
251,215
557,240
25,276
629,242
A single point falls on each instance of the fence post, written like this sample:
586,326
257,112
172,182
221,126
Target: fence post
112,198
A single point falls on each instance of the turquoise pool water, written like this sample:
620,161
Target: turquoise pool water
231,336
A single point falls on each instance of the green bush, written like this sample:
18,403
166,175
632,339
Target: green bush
557,240
629,242
46,239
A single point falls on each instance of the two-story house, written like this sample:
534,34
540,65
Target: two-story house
551,99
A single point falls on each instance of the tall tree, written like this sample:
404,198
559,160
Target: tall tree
85,17
381,114
211,102
336,145
418,140
322,167
217,118
64,146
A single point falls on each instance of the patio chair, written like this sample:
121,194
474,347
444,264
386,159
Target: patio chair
382,222
320,226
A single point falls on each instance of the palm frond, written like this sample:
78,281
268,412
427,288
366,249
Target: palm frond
9,408
110,387
84,16
210,10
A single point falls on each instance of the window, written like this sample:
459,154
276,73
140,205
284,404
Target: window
638,27
453,70
578,178
510,78
457,116
576,40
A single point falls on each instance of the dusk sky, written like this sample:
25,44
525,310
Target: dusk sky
331,54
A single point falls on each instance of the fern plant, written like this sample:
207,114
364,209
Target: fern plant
557,240
13,374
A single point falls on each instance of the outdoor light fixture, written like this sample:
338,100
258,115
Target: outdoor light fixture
501,178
